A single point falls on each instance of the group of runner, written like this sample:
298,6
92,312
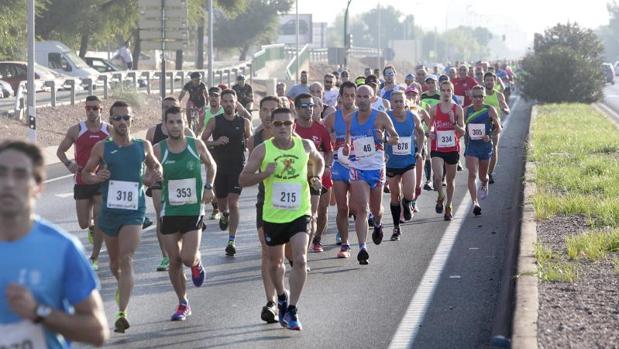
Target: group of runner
346,142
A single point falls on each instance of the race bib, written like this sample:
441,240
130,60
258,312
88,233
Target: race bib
445,139
477,131
122,195
404,146
286,196
22,335
364,146
182,192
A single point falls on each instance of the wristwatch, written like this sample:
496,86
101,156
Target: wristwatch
42,311
208,186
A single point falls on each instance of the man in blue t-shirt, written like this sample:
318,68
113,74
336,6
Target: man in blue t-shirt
48,291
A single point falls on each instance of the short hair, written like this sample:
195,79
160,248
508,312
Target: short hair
269,98
304,72
281,110
297,99
228,91
171,110
32,151
328,75
347,84
93,99
490,74
389,67
118,104
170,98
479,88
195,75
398,92
447,82
317,83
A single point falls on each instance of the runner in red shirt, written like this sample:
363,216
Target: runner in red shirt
463,85
87,197
309,129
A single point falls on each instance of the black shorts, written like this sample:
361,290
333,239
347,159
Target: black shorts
320,192
259,222
450,158
276,234
227,183
180,224
85,191
155,186
392,172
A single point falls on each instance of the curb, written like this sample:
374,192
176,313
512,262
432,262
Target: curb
524,331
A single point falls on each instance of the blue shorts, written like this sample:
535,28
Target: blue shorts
480,151
340,172
371,177
111,223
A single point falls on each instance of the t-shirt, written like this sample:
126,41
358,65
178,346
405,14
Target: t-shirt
322,140
461,87
330,97
51,264
244,94
196,93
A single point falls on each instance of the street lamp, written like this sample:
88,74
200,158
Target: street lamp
346,41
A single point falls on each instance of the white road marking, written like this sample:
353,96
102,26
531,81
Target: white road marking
64,195
408,329
58,178
455,277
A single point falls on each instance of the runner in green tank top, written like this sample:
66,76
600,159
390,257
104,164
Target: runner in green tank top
497,100
117,164
283,163
182,207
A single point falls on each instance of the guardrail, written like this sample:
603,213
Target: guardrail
268,53
291,68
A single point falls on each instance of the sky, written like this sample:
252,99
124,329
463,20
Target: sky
518,20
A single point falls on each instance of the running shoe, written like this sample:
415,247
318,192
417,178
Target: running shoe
269,313
147,223
282,308
459,168
317,247
223,221
415,207
477,210
338,238
406,210
344,251
482,192
448,214
370,220
444,182
396,234
377,234
214,215
439,205
428,186
490,179
198,274
363,256
386,189
231,249
182,312
121,324
94,265
292,320
164,264
91,234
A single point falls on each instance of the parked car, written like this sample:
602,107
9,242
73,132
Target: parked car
616,68
609,73
5,89
14,72
58,57
103,65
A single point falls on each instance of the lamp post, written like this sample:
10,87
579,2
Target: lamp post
32,99
346,42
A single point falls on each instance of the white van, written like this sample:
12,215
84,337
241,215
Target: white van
58,57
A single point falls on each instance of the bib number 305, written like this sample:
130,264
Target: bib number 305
286,196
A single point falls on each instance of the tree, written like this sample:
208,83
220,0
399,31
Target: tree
564,67
12,29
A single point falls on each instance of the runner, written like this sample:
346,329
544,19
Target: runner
367,167
338,125
83,137
230,132
117,163
269,312
390,84
482,122
40,307
495,99
463,85
412,97
306,128
196,101
401,160
378,103
283,163
447,126
429,98
155,135
420,77
215,109
183,202
331,92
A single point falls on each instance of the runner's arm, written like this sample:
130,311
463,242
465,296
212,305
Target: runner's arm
96,158
208,132
318,163
459,126
181,95
247,125
503,103
248,176
420,136
154,170
189,133
150,134
495,120
208,161
63,147
387,125
242,111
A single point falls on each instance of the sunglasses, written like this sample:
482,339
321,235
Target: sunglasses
328,81
88,108
121,117
282,123
478,96
306,106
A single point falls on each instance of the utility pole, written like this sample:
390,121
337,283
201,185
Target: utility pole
297,33
346,43
32,99
210,43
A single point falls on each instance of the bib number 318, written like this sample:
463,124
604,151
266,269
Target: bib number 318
122,195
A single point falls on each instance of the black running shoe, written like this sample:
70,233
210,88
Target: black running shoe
147,223
363,256
490,179
370,220
477,210
269,313
377,234
406,210
223,221
439,205
396,234
231,249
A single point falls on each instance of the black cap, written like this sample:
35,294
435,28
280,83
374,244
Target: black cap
214,91
195,75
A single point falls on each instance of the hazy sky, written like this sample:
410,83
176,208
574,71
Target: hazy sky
527,16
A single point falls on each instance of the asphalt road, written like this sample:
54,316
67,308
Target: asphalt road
611,99
344,304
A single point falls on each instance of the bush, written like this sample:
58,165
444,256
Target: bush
564,67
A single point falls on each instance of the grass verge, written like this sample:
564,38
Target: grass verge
551,268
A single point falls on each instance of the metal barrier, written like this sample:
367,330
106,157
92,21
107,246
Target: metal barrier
291,68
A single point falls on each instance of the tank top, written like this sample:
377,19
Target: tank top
123,193
427,101
446,140
493,100
287,194
478,124
258,139
403,154
182,181
367,151
341,131
379,105
159,135
208,114
84,143
229,157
